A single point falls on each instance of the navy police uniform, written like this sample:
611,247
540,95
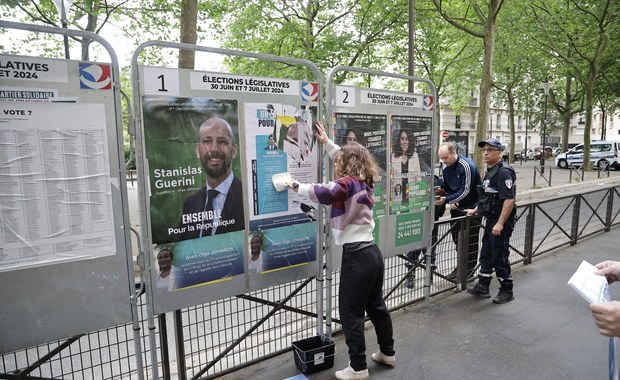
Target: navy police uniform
498,186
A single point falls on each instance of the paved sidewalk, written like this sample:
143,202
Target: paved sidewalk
547,332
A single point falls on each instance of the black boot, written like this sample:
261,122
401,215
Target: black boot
480,290
503,296
451,276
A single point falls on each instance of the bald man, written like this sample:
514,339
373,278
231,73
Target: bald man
218,207
461,180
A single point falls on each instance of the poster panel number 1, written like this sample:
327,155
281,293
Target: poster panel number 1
161,81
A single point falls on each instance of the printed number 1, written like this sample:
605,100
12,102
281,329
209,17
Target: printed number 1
346,96
163,86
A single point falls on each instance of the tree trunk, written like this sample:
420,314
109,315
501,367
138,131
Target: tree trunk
511,124
486,80
189,15
91,26
588,128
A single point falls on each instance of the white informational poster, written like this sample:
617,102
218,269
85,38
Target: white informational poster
55,194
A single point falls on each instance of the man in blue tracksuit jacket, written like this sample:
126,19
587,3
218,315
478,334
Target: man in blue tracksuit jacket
461,180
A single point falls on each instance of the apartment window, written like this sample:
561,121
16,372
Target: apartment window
499,121
458,121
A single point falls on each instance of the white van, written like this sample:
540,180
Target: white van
602,153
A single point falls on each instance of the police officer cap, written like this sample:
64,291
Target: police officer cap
493,142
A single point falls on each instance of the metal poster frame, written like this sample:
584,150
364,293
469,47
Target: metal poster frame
186,88
388,101
59,298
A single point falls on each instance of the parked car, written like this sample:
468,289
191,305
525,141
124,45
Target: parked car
538,152
529,155
602,153
524,154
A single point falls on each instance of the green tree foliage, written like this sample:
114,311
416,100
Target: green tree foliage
477,18
578,45
329,33
139,21
89,15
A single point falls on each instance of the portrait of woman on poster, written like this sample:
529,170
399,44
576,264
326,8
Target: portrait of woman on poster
398,189
405,163
168,273
348,138
255,261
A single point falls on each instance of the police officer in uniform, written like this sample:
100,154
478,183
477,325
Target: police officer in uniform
497,204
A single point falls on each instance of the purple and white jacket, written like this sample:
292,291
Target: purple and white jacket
351,201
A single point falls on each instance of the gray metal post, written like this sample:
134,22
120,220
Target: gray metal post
529,234
574,228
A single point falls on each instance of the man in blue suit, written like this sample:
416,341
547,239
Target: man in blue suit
272,144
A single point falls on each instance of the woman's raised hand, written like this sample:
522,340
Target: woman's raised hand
320,133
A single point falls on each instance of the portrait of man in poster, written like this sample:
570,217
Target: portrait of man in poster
215,208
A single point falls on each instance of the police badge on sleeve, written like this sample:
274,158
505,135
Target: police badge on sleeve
508,183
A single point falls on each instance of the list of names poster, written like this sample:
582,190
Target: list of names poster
56,202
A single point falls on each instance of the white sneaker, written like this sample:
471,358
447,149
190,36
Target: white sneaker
380,357
350,374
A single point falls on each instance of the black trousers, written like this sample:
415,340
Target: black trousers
361,290
494,253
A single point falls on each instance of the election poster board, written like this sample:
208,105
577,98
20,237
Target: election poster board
369,130
222,137
63,212
460,139
284,222
401,141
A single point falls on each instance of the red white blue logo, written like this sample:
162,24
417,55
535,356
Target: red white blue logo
309,91
95,76
428,104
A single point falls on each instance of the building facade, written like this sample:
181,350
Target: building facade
462,128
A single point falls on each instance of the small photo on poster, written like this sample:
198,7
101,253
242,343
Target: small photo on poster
194,167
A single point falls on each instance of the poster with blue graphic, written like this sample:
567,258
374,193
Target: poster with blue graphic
281,248
279,138
201,261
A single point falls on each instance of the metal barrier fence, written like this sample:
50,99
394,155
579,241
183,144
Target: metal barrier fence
221,337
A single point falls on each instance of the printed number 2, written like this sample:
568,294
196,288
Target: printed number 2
163,86
346,96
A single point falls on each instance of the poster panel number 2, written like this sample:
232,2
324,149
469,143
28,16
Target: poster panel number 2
345,96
